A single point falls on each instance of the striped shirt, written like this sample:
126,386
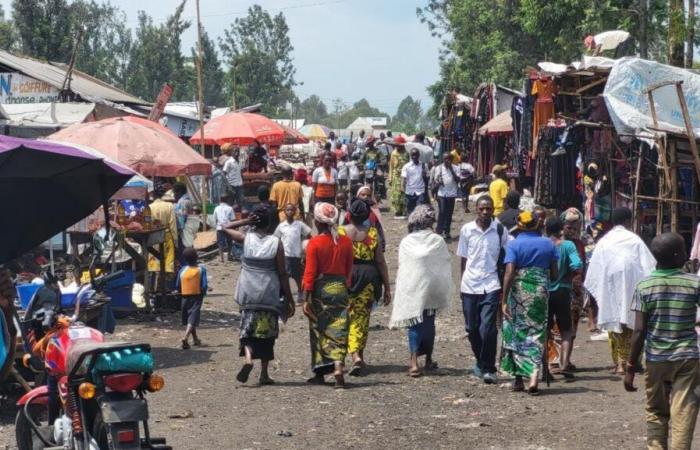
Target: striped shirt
670,299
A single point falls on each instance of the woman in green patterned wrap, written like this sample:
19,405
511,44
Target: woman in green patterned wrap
326,279
530,262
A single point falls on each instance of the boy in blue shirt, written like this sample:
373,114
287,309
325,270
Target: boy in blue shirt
192,285
569,265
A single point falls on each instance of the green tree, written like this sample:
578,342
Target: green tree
258,51
44,28
343,116
212,73
8,34
408,116
155,57
313,110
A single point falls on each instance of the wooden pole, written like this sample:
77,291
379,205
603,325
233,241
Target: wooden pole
200,95
688,127
637,183
674,185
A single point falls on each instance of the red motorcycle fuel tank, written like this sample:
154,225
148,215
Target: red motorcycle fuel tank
60,344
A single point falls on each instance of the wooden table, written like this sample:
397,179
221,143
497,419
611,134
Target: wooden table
151,242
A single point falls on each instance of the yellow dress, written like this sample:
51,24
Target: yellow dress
361,299
164,212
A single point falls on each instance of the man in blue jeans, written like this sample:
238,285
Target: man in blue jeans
413,176
480,245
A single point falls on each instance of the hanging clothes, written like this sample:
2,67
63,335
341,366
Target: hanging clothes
544,89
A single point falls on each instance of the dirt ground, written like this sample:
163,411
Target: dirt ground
203,407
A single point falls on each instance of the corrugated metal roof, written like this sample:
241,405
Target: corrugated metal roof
87,87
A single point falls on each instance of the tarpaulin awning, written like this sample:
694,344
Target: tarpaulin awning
46,187
628,104
501,124
145,146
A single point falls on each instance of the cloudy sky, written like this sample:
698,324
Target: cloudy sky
348,49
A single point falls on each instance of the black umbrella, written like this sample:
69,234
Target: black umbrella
47,187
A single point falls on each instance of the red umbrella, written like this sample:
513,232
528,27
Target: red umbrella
142,145
240,129
292,136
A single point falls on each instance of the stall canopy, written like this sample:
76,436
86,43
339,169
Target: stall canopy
240,129
292,136
146,147
501,124
315,131
46,187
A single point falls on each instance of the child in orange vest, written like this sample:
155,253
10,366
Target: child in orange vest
192,285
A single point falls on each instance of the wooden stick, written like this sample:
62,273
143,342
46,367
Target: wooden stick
689,127
674,187
635,201
200,95
669,200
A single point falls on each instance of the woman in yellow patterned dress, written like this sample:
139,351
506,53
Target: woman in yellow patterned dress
369,275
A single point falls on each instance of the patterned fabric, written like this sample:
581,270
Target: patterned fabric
259,324
397,198
328,335
620,346
670,299
364,250
360,308
524,335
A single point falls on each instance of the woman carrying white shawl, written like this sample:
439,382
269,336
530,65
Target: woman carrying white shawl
423,286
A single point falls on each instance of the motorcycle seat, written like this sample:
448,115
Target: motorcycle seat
83,346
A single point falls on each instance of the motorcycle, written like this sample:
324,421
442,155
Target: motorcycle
95,392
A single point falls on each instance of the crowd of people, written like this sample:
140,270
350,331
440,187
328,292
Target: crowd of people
533,274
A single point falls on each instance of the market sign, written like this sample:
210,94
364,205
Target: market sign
16,88
628,104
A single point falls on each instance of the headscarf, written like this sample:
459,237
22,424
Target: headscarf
328,214
371,203
422,218
571,215
527,221
359,210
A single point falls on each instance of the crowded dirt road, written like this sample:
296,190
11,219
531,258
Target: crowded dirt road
203,407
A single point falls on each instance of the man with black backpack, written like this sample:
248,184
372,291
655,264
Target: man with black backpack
481,249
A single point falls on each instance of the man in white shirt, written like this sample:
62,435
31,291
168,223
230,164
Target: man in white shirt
426,151
447,175
480,246
413,175
234,176
360,142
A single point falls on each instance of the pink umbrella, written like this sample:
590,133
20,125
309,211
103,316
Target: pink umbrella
145,146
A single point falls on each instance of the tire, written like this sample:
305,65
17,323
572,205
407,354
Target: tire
23,430
100,433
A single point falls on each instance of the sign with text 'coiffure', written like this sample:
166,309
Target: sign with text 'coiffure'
17,88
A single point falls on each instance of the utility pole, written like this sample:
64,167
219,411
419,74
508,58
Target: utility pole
200,94
233,88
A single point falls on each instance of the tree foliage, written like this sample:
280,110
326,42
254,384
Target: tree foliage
258,52
495,41
312,109
408,116
44,28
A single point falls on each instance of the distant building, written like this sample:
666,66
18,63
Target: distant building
370,125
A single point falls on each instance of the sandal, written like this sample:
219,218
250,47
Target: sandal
415,373
356,369
244,373
533,391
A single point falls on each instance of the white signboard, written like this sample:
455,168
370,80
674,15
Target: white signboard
17,88
628,105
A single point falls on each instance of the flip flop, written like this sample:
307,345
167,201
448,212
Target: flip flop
355,370
244,373
533,391
415,373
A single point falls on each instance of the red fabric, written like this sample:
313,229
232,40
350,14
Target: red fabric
325,258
